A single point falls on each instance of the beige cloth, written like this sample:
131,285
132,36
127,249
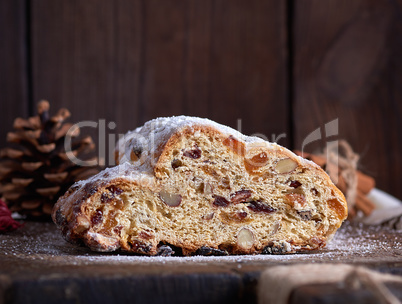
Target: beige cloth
277,283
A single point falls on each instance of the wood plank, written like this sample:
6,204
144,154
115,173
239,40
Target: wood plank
197,70
128,56
249,66
129,288
86,58
163,58
13,65
73,46
347,65
183,56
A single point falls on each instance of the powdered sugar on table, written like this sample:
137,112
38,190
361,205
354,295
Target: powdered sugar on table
352,243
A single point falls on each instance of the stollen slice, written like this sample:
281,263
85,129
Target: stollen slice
192,186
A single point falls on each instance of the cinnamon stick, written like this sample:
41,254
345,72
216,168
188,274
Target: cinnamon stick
364,204
364,182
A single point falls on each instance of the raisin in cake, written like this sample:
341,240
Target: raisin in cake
202,188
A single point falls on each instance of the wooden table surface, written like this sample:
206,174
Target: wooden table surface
38,266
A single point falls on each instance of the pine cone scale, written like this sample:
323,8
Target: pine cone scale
22,182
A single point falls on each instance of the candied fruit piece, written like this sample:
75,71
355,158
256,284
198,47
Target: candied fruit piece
258,206
240,196
220,201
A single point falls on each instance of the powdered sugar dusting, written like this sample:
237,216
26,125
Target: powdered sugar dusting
151,136
352,243
125,170
163,127
155,133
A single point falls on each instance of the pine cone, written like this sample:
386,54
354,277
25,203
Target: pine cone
35,170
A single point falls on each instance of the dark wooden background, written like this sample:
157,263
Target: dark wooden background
279,66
